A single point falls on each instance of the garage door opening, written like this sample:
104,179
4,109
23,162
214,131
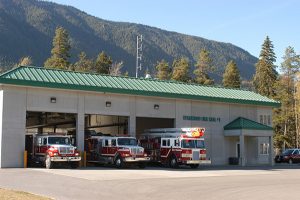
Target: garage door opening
110,125
47,123
143,123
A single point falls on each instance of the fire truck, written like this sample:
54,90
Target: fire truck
118,151
175,146
51,149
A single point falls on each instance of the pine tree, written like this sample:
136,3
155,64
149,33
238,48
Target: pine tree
231,76
103,63
266,75
163,70
25,61
286,120
115,69
83,64
203,66
180,71
60,51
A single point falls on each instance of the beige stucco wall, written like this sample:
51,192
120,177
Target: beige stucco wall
15,101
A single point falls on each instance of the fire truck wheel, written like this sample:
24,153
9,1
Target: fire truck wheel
48,162
194,166
142,165
119,162
74,165
173,162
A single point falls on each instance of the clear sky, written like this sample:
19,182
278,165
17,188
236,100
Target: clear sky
244,23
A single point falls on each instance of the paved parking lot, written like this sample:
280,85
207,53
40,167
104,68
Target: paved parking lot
280,182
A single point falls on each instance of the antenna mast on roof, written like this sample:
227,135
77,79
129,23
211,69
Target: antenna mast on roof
139,51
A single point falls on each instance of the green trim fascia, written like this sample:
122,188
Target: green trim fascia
242,123
133,92
262,129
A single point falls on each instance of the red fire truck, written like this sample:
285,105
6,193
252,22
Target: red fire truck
51,149
175,146
116,150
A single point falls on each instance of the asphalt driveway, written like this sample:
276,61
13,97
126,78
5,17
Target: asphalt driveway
157,183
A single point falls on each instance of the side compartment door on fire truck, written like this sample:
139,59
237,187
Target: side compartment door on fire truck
41,145
112,147
165,148
105,145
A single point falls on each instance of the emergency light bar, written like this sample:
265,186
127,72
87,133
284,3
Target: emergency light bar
193,132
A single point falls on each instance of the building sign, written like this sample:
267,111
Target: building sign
205,119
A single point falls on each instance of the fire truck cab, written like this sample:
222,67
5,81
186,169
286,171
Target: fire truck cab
175,146
51,149
116,150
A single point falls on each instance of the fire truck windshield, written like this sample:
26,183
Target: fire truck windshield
190,143
127,141
58,140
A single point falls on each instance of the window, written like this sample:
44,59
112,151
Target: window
176,143
261,119
113,142
296,152
269,120
106,143
164,143
168,142
265,119
57,140
44,141
264,148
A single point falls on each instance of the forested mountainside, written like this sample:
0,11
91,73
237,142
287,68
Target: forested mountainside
27,28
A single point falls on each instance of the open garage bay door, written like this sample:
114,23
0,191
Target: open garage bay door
143,123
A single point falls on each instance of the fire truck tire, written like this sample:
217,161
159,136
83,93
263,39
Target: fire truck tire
194,166
173,162
142,165
119,163
74,165
48,162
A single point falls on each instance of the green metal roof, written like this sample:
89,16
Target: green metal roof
53,78
243,123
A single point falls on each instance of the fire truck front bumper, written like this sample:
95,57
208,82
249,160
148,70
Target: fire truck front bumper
200,162
66,159
132,159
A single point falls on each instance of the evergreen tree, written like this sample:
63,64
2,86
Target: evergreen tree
103,63
25,61
83,64
60,51
266,75
203,66
285,118
180,71
126,74
231,76
115,69
163,70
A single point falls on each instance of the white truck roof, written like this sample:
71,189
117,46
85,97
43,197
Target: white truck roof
175,132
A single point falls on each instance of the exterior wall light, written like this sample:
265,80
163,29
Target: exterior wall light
108,104
156,106
52,99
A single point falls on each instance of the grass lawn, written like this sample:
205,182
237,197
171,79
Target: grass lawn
18,195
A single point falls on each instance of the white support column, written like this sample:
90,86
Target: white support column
242,150
271,151
132,117
132,125
80,124
12,127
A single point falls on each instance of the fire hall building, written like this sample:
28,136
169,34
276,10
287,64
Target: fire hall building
238,123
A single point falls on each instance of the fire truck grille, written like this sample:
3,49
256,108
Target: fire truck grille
137,151
196,155
66,150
